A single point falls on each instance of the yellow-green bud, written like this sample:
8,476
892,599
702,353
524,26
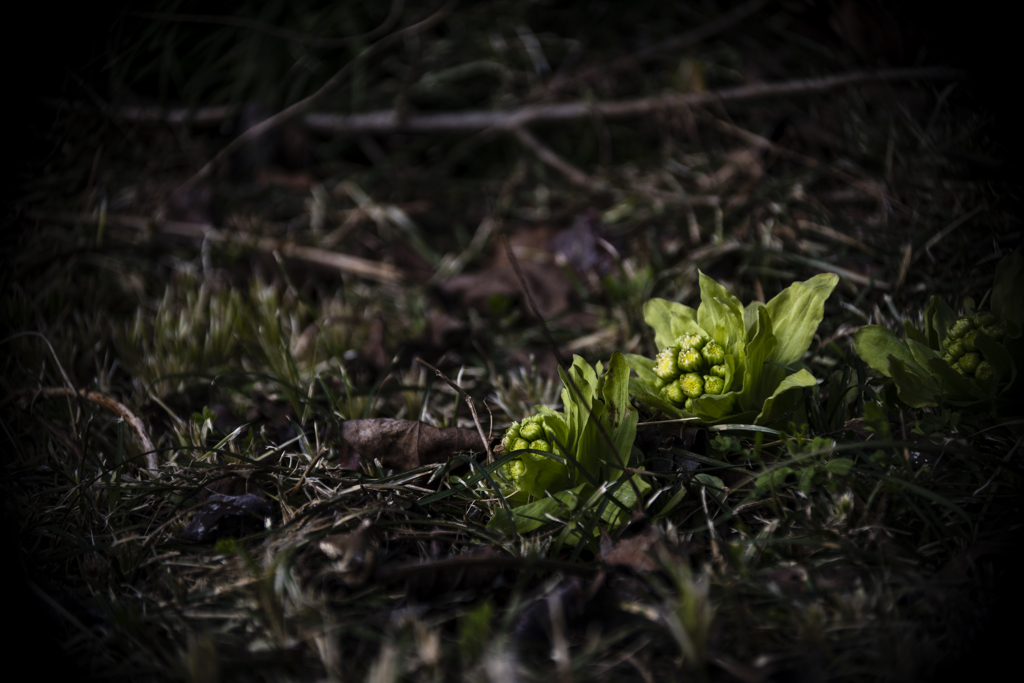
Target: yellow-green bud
956,349
531,431
719,370
511,434
997,332
692,341
692,385
985,371
540,445
515,469
958,329
673,392
520,444
713,353
713,385
665,365
985,319
689,360
969,361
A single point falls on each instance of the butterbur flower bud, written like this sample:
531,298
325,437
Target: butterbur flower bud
969,361
689,360
984,372
958,329
665,364
692,385
691,341
713,385
531,431
713,353
674,392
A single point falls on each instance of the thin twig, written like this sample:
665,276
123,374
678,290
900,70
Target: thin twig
469,402
376,270
939,236
100,399
389,121
552,159
304,104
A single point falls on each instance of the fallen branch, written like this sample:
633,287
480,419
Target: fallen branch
108,403
375,270
552,159
390,121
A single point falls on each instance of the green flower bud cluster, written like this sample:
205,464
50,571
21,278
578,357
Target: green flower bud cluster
690,368
521,436
960,351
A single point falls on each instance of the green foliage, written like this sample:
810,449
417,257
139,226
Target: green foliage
968,361
727,363
563,458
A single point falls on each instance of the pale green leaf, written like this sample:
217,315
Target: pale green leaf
796,313
669,320
720,313
784,398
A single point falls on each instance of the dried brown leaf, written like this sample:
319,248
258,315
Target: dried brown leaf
405,444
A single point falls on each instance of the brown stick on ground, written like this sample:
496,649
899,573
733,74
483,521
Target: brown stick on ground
512,119
108,403
383,272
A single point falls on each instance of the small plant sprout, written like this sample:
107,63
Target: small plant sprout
726,363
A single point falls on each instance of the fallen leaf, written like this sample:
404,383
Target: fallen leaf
580,246
227,517
632,550
404,445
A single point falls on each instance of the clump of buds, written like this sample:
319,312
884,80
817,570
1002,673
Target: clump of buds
690,368
959,345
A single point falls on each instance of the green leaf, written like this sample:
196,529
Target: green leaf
785,397
625,492
938,316
957,387
840,466
875,345
755,380
911,332
714,485
643,393
796,313
720,313
543,473
750,318
669,320
714,408
535,515
923,355
806,480
915,388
